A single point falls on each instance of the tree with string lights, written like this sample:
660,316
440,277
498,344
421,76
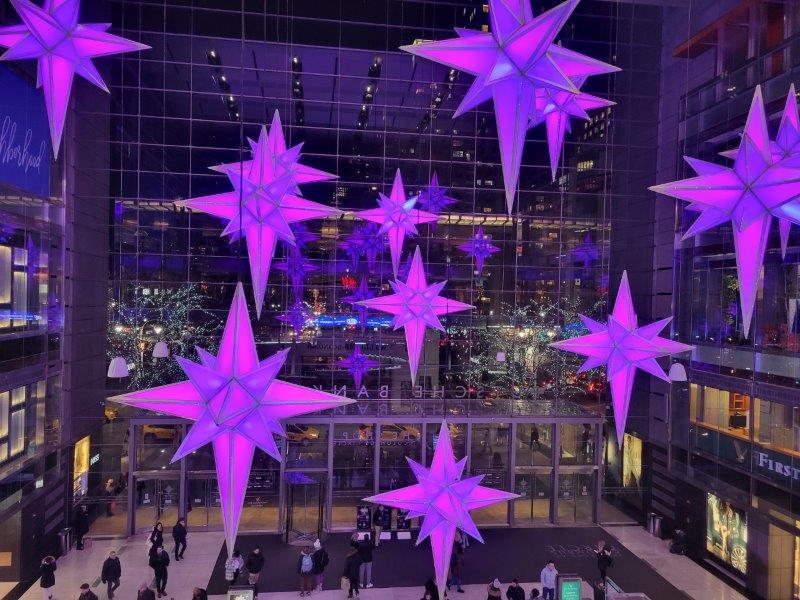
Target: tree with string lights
179,317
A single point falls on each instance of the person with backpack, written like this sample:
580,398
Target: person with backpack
321,560
233,567
365,549
305,568
48,581
493,590
111,572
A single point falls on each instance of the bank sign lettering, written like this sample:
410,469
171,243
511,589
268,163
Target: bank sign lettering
771,464
24,136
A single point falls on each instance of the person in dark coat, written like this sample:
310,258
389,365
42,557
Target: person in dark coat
456,567
514,591
159,561
321,560
87,593
81,526
432,589
604,560
352,565
156,538
111,572
377,524
145,593
600,590
48,572
254,564
179,536
365,550
199,594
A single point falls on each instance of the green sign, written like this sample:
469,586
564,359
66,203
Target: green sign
569,588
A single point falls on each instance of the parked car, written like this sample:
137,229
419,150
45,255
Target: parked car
302,434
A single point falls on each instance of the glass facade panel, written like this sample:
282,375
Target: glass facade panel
490,457
534,444
398,442
353,470
577,444
307,446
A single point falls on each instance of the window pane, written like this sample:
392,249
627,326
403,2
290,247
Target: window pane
17,437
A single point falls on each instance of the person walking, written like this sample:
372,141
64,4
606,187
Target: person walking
493,590
456,567
87,593
604,559
600,590
111,572
548,579
365,549
81,525
156,538
377,524
179,535
352,565
159,561
515,591
47,570
321,560
254,564
233,567
144,592
305,569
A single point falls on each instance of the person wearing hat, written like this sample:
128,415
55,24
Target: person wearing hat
515,591
493,590
321,560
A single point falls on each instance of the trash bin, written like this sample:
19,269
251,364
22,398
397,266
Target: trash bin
656,525
65,536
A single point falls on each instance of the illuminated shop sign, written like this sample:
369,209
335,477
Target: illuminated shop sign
771,464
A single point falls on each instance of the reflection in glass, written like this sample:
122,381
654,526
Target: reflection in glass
489,457
353,461
534,444
399,441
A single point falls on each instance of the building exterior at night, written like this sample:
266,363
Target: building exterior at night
99,261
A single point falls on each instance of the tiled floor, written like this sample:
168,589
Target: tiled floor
78,567
682,572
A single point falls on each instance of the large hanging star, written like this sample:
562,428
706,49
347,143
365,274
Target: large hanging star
265,201
513,64
397,217
416,306
444,500
63,47
623,347
555,107
297,316
757,188
480,247
236,405
362,292
358,363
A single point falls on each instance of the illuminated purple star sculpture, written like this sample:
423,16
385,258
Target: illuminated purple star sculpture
397,217
434,198
302,236
297,268
63,47
623,347
264,202
480,247
416,306
748,195
362,292
586,252
358,363
297,316
555,107
444,501
236,405
512,63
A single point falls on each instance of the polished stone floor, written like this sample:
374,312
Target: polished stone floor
79,567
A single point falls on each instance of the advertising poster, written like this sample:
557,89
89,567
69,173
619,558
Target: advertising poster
631,462
363,517
726,533
80,468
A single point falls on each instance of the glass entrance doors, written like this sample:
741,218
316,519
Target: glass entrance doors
156,499
535,493
305,506
575,497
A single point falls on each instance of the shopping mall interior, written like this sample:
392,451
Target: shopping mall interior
429,273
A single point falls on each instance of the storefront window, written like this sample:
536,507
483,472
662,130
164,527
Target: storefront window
777,426
399,441
156,446
307,446
489,457
353,463
458,438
